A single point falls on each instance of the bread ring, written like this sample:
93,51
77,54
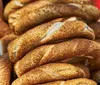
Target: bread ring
4,29
51,53
96,28
49,12
52,72
96,76
17,4
5,41
56,30
14,5
79,81
5,70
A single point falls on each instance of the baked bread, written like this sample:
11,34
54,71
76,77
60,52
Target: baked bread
14,5
71,1
5,70
75,60
5,41
57,52
4,29
52,72
96,28
54,31
78,81
49,11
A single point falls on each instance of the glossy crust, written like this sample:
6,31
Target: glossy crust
51,11
79,81
56,52
14,5
5,70
56,30
52,72
96,76
4,29
96,28
5,41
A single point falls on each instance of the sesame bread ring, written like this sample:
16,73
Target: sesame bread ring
54,31
52,72
60,51
49,12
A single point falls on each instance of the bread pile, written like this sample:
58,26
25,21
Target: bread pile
57,42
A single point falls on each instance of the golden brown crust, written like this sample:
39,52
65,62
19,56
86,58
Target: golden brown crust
52,72
70,1
96,76
5,41
75,60
4,29
96,28
51,11
65,50
14,5
5,70
56,30
79,81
